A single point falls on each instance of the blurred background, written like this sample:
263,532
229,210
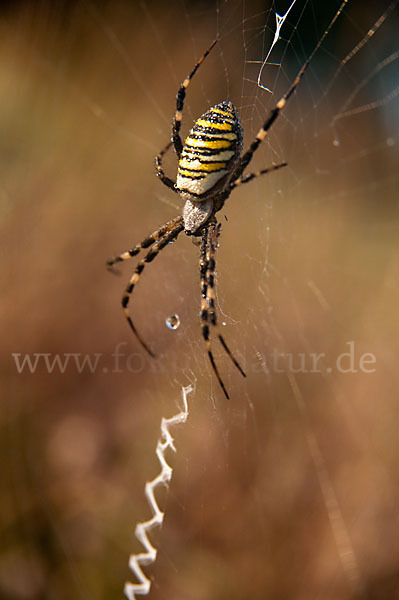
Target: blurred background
288,490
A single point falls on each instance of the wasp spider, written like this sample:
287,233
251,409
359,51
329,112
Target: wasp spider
210,167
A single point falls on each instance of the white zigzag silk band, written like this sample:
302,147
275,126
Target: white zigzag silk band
137,561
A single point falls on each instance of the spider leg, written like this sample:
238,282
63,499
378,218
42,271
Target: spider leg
274,113
245,178
214,232
146,243
204,314
160,172
155,249
180,97
208,314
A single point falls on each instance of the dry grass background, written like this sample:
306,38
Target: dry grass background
247,515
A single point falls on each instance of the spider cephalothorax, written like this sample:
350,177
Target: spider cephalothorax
210,167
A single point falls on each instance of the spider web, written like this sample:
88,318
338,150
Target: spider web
287,490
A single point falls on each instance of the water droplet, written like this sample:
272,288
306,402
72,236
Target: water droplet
173,322
224,323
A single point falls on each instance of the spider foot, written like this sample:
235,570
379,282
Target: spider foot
110,265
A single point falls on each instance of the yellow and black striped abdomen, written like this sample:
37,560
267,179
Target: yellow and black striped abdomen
210,151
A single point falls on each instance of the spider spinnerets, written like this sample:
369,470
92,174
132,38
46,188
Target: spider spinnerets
210,167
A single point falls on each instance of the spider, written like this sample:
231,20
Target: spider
210,167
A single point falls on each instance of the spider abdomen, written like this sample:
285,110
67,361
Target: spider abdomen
210,153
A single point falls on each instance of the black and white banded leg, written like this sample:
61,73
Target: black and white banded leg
159,167
173,229
250,176
146,243
180,97
273,115
208,310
